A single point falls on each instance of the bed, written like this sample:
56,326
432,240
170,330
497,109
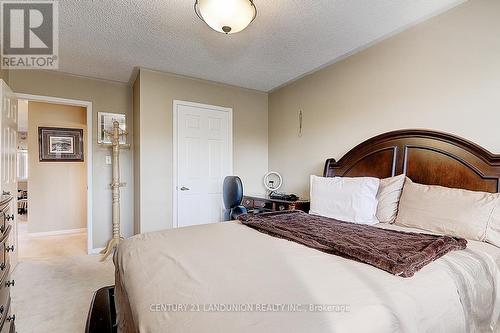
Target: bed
227,277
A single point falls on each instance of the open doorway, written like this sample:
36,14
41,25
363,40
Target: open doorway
53,199
22,167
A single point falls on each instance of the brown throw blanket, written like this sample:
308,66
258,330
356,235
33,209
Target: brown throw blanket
399,253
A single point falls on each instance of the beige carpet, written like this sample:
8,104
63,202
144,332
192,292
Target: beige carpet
53,295
30,247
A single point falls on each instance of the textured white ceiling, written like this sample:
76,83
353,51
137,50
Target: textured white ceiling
289,38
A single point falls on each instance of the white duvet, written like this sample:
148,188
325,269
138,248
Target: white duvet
230,278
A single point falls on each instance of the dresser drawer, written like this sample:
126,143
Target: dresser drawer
5,206
4,295
5,217
248,203
262,204
5,249
9,326
3,223
8,320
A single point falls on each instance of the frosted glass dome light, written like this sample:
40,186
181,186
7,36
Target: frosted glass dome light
226,16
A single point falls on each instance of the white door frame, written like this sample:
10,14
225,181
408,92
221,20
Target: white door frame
88,106
175,222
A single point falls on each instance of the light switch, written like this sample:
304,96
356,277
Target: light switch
108,159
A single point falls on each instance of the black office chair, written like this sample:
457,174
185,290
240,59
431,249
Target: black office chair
233,195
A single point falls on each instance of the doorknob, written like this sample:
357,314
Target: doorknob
184,188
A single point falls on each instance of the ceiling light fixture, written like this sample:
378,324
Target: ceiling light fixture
226,16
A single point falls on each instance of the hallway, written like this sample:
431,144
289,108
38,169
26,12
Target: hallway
42,247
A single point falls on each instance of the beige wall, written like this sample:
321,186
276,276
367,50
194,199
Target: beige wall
442,74
57,190
137,153
105,96
157,92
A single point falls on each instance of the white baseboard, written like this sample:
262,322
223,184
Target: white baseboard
57,232
96,250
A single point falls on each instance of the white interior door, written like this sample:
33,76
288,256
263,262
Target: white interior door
8,158
203,157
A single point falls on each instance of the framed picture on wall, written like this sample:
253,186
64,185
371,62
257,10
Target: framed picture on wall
105,122
60,144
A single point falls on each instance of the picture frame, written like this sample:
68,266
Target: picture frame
105,122
60,144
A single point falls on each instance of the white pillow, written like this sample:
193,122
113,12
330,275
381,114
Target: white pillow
388,196
345,199
493,229
450,211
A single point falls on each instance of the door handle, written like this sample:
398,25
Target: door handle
184,188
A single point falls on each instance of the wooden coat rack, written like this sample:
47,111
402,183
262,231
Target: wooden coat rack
115,134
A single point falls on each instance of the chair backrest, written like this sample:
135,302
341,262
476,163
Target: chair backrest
232,191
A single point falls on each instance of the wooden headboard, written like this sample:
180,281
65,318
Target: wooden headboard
427,157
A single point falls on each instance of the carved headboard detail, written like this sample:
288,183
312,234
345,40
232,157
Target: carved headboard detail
427,157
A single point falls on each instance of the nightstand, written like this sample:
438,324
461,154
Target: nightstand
257,205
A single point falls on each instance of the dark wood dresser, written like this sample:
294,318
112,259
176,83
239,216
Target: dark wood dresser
256,205
6,216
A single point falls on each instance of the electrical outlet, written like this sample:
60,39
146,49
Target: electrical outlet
108,159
